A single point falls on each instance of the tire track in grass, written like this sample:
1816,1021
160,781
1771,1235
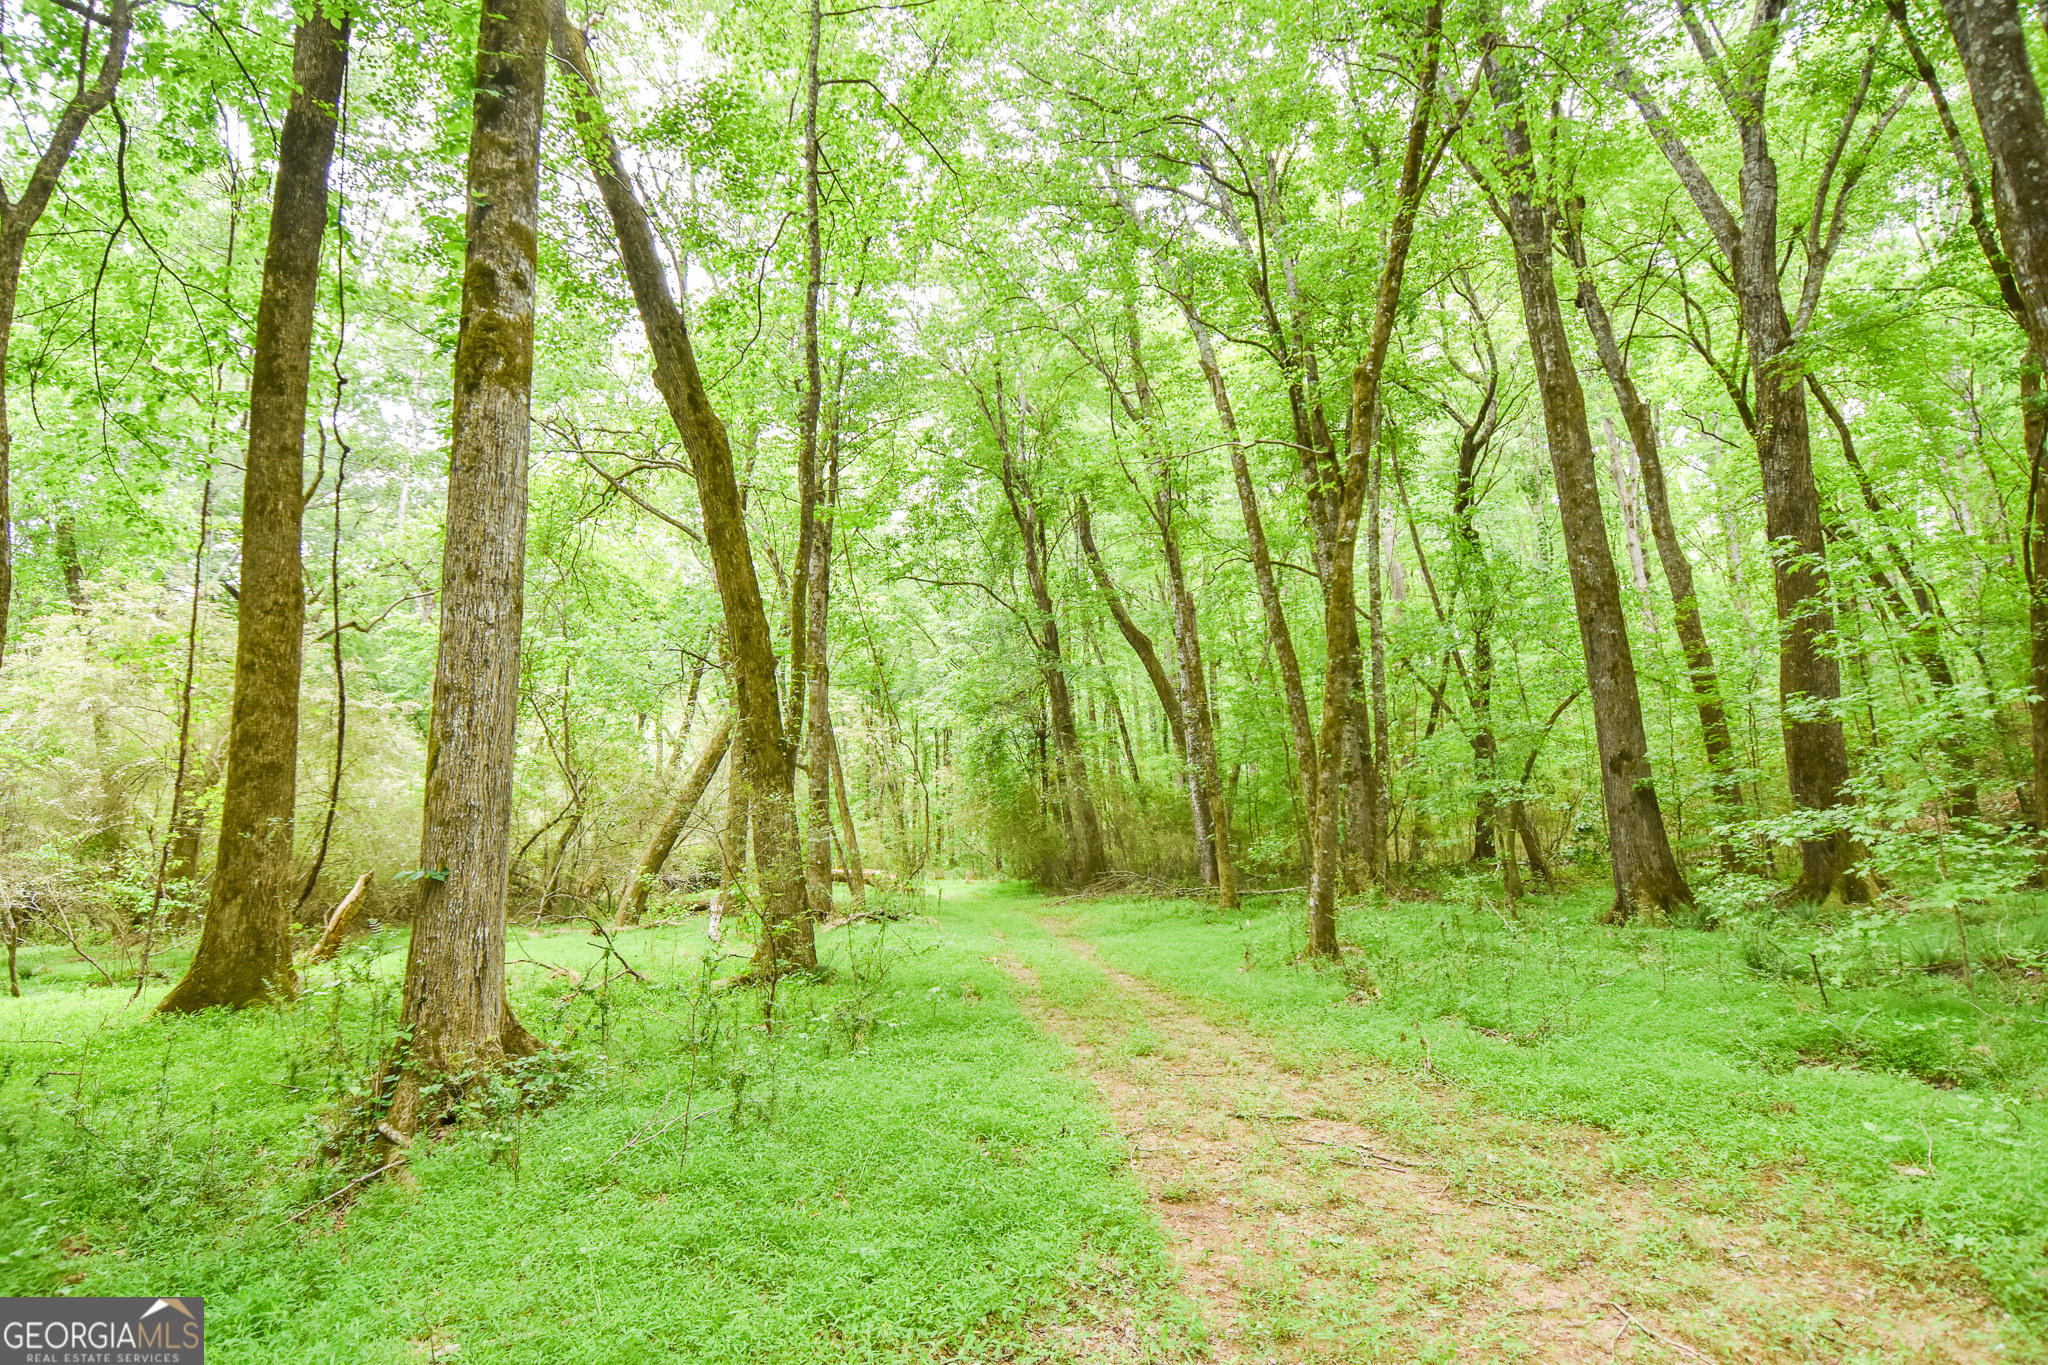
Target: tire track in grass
1304,1230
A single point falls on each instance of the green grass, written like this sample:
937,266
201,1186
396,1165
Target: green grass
904,1171
1920,1103
908,1170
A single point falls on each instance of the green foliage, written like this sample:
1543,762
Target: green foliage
900,1167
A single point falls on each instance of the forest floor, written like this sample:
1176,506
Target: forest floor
1015,1128
1337,1211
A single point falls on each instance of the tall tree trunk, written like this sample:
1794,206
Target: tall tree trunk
245,945
809,419
1162,686
1920,620
106,838
454,1014
1646,875
1992,41
18,218
1475,578
732,836
765,766
1194,687
1998,69
856,871
1341,674
1085,860
811,598
72,564
1084,854
187,832
1384,846
818,738
1701,673
1809,679
1204,766
1295,695
663,841
1625,474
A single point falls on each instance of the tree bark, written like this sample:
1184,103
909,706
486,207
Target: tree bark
1646,875
1625,496
245,944
1084,854
1475,577
2013,238
765,767
1341,674
1300,730
18,218
663,841
856,871
1202,757
1809,679
1203,761
454,1013
1162,686
339,922
1701,672
818,738
1992,42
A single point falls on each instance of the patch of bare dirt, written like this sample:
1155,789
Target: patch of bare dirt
1306,1228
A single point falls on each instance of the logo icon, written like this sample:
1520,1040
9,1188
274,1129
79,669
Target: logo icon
82,1331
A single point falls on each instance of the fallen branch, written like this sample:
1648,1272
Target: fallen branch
598,930
339,923
644,1136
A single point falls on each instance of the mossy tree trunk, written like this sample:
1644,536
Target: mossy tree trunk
245,942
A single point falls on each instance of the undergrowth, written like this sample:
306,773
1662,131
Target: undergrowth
1816,1053
888,1164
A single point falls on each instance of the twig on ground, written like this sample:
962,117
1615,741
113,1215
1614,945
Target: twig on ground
1362,1151
597,927
65,920
645,1136
1651,1331
398,1160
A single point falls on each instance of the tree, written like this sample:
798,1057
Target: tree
454,1013
1719,743
663,841
1809,678
1085,861
19,215
1991,40
245,944
766,766
1646,875
1344,486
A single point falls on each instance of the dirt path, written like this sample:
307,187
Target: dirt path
1306,1230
